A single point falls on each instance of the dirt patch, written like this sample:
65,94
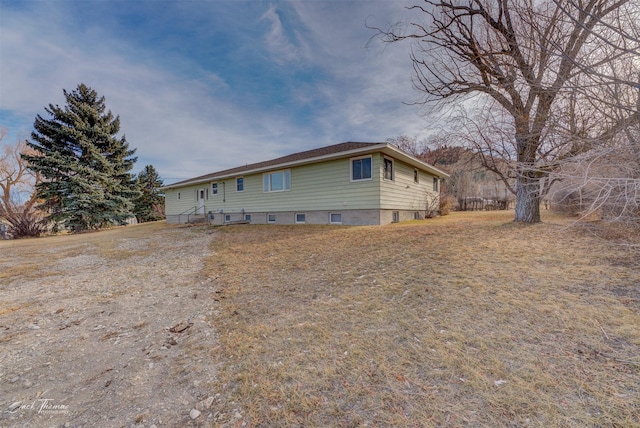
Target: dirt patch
87,329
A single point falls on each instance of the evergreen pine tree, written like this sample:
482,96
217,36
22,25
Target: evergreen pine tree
87,184
148,183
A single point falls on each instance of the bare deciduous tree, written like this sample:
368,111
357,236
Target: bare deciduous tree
538,82
409,145
431,204
18,199
604,183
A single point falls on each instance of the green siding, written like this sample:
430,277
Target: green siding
319,186
402,193
323,186
187,200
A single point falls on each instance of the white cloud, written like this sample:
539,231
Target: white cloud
371,80
281,48
199,122
176,124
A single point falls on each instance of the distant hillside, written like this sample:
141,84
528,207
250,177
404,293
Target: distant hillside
472,185
446,155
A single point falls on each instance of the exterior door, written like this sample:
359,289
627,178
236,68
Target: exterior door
201,195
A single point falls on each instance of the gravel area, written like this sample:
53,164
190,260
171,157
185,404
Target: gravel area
108,329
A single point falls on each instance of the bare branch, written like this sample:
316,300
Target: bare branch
554,79
18,200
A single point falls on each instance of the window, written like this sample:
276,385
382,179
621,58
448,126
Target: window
227,218
240,184
277,181
361,169
395,216
416,215
247,217
416,177
388,169
214,188
335,218
271,218
178,195
435,184
300,218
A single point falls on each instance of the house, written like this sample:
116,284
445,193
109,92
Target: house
348,183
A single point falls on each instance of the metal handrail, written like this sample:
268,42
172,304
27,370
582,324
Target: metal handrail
188,212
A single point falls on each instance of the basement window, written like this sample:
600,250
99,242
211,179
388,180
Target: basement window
300,217
335,218
271,218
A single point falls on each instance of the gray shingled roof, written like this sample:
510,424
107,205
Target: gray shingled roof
295,157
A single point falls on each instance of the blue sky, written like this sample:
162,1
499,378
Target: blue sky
202,86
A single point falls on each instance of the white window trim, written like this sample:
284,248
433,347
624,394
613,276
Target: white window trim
393,169
214,192
240,178
178,195
274,218
284,182
335,222
351,179
296,218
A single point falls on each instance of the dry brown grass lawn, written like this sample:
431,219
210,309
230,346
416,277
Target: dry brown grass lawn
61,246
463,320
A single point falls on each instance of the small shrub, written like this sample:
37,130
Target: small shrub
446,204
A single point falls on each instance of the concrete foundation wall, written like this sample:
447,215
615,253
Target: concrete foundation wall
349,217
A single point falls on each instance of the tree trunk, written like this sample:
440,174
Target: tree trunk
527,198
